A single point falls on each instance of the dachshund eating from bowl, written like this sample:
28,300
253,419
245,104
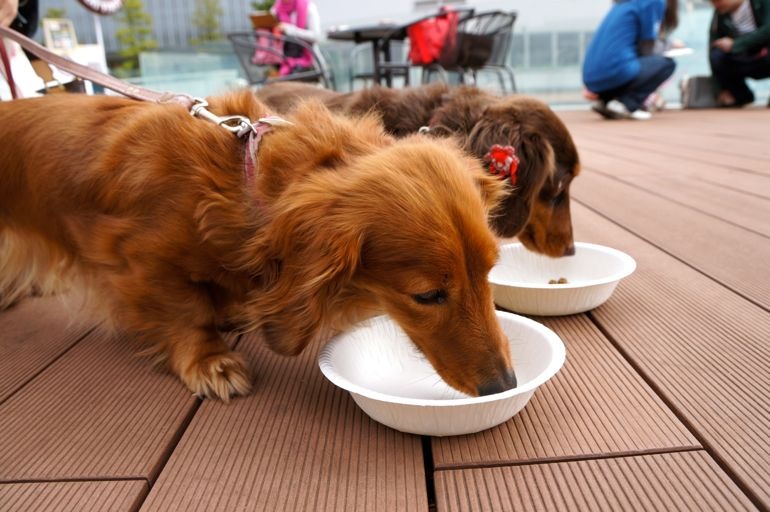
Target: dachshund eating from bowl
537,208
176,227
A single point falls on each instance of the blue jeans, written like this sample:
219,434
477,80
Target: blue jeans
655,69
731,71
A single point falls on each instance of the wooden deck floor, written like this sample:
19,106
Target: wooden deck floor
663,404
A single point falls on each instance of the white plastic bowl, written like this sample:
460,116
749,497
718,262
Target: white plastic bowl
520,279
390,379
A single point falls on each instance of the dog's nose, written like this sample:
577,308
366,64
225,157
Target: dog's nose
569,251
506,382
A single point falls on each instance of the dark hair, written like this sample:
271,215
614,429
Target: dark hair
670,17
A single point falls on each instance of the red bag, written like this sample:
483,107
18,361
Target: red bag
427,38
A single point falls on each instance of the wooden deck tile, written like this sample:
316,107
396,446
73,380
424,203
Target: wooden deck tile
32,334
297,443
739,142
708,250
99,412
596,404
705,352
687,481
99,496
736,197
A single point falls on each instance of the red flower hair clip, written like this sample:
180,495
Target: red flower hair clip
502,161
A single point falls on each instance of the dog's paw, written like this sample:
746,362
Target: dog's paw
218,376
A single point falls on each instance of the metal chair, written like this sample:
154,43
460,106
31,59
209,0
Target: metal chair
483,43
361,65
501,54
247,44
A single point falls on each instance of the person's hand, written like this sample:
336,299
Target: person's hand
723,43
678,43
8,9
280,28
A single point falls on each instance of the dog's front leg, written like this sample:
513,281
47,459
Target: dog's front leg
176,319
206,365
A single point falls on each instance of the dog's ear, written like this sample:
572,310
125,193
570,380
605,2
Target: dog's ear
536,164
315,253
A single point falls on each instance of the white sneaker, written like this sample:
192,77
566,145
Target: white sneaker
640,115
620,111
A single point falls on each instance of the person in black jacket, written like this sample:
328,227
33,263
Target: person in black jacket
740,48
20,15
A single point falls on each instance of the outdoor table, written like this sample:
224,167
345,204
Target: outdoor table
371,33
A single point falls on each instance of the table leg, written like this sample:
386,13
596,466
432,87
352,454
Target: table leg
389,75
375,63
378,74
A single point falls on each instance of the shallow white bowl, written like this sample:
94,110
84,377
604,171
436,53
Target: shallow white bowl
520,279
390,379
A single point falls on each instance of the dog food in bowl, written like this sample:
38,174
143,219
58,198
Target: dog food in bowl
394,383
522,281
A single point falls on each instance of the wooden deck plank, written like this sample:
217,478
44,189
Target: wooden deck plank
33,333
297,443
99,412
729,142
703,348
596,404
670,225
660,482
97,496
693,183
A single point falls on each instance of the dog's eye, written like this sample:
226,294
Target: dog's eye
431,297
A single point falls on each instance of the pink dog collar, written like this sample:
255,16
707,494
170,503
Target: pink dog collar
258,130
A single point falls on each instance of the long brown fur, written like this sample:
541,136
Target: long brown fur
150,210
537,208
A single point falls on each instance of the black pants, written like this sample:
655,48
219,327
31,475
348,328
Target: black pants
731,71
654,70
27,18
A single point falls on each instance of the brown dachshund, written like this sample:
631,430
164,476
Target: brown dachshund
175,227
538,208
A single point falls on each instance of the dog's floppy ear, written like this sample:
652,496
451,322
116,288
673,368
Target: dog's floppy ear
315,252
536,164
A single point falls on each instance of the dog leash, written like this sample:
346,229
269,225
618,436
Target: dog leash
238,125
7,69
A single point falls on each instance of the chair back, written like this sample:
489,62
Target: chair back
501,48
482,39
260,52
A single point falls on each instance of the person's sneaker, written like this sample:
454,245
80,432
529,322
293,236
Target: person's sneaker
601,108
640,115
620,111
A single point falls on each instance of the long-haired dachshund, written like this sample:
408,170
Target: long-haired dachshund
176,227
537,210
